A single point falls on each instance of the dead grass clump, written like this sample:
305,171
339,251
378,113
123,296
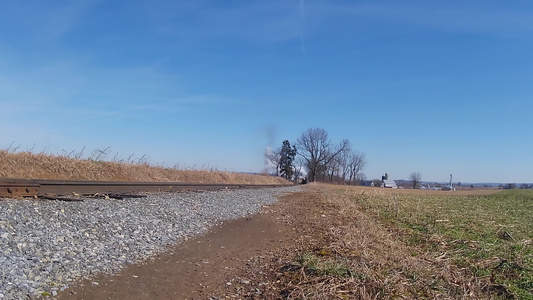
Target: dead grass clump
355,253
64,167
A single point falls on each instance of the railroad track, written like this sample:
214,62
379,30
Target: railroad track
19,188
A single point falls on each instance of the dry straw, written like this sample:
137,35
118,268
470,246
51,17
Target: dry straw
71,167
362,232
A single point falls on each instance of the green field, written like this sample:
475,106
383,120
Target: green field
487,236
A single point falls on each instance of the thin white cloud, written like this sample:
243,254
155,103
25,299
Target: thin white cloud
178,104
277,21
258,21
46,20
459,17
72,88
38,88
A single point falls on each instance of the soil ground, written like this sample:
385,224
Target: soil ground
236,260
314,244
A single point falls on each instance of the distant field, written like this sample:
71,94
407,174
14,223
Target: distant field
480,241
67,167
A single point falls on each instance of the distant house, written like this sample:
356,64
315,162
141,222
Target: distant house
389,184
448,188
429,186
366,183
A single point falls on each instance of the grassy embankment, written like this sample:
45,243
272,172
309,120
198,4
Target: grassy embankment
68,167
387,243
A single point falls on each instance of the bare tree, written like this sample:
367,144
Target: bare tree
347,166
357,163
316,148
273,157
415,178
344,159
298,168
333,169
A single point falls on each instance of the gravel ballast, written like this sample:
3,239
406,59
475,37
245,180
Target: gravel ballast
46,245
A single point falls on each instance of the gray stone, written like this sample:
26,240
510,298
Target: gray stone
45,242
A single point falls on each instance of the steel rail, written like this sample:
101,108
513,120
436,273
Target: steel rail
17,188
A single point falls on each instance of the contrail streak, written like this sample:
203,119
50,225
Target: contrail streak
302,23
303,43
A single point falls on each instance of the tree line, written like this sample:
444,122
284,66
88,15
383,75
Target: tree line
320,158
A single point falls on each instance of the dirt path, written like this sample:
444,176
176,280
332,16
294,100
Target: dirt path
315,244
216,265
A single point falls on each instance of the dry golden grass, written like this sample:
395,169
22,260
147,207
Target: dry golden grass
360,246
45,166
380,265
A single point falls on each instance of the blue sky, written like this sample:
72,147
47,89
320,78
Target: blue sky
437,87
